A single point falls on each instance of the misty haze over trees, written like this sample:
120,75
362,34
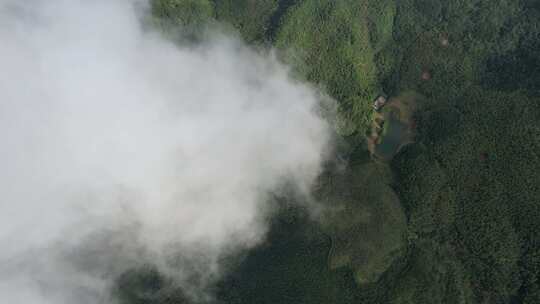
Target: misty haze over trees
228,151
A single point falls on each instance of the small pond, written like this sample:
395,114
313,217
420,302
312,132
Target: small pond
395,135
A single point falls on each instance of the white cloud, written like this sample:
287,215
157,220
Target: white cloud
117,145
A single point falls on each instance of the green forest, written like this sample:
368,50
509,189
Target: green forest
453,214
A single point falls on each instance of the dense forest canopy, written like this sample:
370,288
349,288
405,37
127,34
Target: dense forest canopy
453,217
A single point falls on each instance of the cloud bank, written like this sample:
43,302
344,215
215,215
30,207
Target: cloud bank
118,148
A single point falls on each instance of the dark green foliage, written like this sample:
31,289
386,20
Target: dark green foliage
146,285
251,17
363,217
291,267
182,19
483,171
519,68
432,275
428,212
452,40
182,12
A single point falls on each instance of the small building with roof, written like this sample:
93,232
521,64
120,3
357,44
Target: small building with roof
379,102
